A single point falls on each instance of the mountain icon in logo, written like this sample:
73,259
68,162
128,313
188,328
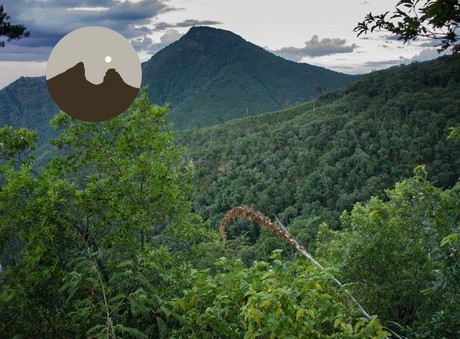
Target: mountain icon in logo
78,97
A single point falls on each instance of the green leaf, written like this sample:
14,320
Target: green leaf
450,239
162,327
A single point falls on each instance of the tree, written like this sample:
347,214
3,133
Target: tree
402,256
85,236
434,19
12,32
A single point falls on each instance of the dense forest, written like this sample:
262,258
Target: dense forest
309,163
116,234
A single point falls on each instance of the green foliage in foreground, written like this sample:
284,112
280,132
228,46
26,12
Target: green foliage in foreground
77,238
102,244
278,300
402,256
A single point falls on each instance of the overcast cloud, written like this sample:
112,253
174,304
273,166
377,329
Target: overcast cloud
146,44
48,21
186,23
316,47
424,55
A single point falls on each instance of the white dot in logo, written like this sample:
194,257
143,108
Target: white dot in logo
108,59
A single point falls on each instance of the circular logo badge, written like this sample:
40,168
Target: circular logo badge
93,74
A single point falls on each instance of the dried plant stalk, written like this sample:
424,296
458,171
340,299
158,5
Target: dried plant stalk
264,222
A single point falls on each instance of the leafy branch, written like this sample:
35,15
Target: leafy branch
433,19
12,32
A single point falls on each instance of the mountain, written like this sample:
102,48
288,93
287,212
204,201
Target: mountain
309,163
209,76
87,101
212,75
27,103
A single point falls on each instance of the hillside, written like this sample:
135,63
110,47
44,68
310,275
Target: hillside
211,75
103,240
208,76
27,103
307,165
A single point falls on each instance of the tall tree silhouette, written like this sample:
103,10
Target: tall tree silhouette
12,32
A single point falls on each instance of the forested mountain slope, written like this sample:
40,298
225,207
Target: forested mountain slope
208,76
103,240
307,165
27,103
211,75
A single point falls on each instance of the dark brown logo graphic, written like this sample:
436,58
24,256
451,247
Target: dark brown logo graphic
93,74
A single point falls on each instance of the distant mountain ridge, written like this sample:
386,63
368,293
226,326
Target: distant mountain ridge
208,76
27,103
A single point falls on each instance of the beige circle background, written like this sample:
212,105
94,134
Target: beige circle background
91,45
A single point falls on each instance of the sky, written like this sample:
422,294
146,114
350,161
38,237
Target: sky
316,32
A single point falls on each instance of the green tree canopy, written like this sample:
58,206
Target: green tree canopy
80,241
401,256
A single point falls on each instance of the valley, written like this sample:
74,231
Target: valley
111,229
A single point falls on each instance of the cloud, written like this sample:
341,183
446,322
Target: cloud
392,37
316,47
9,70
428,54
142,43
375,65
161,26
191,22
15,52
424,55
150,47
48,21
166,39
170,36
186,23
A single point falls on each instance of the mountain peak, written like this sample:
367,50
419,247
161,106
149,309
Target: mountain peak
203,30
203,39
221,76
199,31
